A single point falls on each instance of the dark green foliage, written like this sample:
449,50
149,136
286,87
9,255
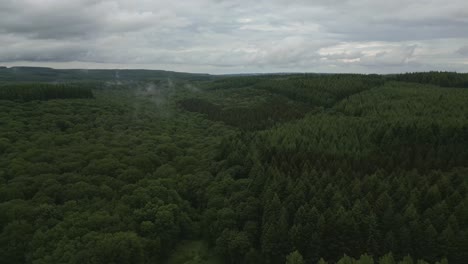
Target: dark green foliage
444,79
320,90
42,74
386,259
235,82
107,180
43,91
294,258
294,169
248,118
365,175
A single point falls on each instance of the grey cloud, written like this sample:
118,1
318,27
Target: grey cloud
398,20
23,49
235,36
463,51
394,57
58,19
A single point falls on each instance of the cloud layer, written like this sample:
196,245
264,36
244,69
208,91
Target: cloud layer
221,36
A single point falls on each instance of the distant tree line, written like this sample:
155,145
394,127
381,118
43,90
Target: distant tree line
440,78
43,74
43,91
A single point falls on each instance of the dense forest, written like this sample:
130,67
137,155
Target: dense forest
43,74
162,167
40,91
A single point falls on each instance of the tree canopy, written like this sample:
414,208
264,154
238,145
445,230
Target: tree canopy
301,168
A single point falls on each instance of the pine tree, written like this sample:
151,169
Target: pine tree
373,235
387,259
294,258
322,261
406,260
345,260
365,259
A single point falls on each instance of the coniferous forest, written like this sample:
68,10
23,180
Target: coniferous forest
173,168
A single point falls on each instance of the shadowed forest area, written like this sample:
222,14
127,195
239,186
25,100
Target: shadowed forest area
161,167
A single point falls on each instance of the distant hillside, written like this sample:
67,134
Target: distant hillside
42,74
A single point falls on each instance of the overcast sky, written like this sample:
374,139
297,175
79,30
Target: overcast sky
221,36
